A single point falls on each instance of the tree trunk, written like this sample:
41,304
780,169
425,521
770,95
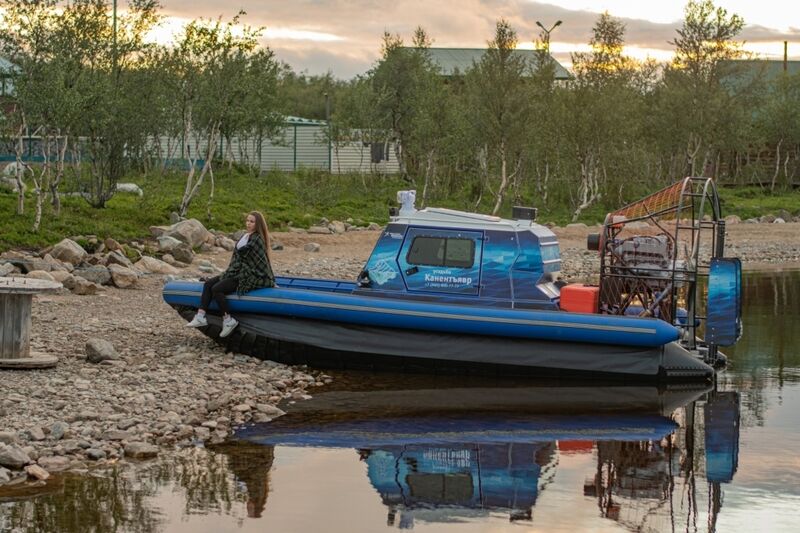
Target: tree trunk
20,168
777,166
191,188
503,178
589,189
60,162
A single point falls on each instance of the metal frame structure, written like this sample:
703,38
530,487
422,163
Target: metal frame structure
682,218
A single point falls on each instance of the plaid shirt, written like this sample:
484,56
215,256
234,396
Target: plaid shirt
250,266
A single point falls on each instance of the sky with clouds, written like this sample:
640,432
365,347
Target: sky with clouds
343,36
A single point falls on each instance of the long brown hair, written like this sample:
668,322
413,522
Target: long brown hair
261,229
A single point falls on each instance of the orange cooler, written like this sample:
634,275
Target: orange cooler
580,298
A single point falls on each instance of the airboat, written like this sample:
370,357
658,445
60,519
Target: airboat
447,290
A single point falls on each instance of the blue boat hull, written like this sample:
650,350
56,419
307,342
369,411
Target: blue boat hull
329,301
324,325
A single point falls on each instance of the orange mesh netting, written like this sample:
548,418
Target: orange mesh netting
664,202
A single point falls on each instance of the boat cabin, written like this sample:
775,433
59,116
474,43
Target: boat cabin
453,256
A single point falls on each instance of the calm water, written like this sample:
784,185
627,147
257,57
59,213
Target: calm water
386,452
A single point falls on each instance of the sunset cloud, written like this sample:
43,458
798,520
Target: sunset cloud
343,36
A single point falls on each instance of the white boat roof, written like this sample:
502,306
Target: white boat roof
453,219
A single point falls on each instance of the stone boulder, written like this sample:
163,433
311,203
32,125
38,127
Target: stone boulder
36,472
311,247
167,243
69,251
140,450
99,350
337,227
152,265
6,269
54,264
40,274
373,226
226,243
183,253
112,245
131,188
96,274
55,463
158,231
12,456
83,287
117,258
191,231
319,230
733,219
64,278
123,277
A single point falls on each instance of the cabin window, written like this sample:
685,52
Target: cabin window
441,251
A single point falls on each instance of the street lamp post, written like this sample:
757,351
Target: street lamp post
547,34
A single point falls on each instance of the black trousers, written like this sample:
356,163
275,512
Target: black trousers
216,289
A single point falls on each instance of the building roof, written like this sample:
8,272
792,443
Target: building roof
452,60
744,71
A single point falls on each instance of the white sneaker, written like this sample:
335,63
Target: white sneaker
198,321
228,325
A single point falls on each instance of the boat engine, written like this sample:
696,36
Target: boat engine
652,264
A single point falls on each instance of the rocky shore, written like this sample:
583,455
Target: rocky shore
133,382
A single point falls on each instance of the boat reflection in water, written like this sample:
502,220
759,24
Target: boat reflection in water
458,453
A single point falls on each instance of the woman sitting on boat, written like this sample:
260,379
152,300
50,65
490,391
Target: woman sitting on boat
249,269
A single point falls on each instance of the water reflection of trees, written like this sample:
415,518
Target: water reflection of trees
89,503
768,355
126,497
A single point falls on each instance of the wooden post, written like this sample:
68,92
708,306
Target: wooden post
16,298
15,313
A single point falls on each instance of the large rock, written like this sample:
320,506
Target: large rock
191,231
12,456
54,464
311,247
167,243
8,437
54,264
124,278
6,269
37,472
69,251
154,266
117,258
373,226
226,243
40,274
158,231
98,350
732,219
64,278
83,287
319,230
337,226
112,245
96,274
129,188
183,253
140,450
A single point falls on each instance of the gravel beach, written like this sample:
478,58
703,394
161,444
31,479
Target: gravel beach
166,386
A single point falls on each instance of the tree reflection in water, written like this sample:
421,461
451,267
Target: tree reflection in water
126,496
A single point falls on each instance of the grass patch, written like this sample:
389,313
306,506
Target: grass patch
298,199
753,202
